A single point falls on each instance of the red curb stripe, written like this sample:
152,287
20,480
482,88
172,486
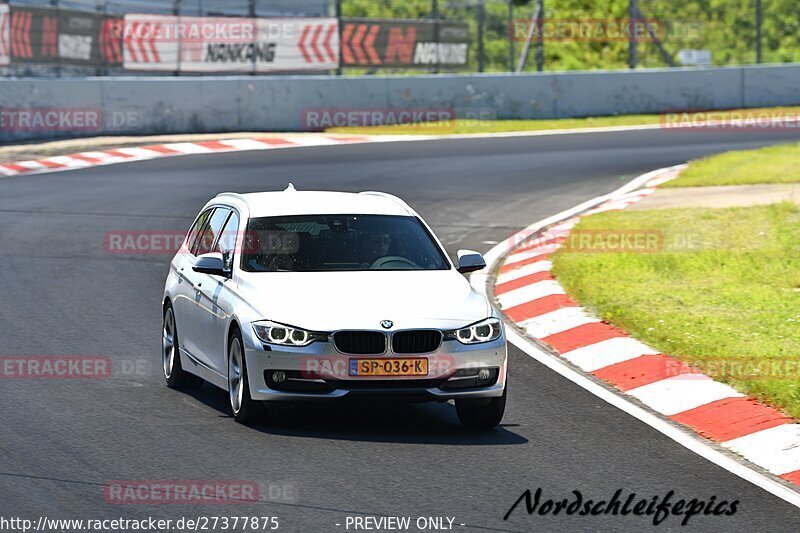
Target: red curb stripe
214,145
87,159
529,261
117,153
161,149
50,164
522,282
274,142
642,371
730,418
18,168
793,477
538,307
584,335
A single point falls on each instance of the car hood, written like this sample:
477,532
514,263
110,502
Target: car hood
329,301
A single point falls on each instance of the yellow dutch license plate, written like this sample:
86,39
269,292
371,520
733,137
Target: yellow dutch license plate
389,367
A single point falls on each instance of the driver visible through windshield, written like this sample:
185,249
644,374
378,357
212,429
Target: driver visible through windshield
318,243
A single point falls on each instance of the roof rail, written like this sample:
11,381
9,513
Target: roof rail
235,195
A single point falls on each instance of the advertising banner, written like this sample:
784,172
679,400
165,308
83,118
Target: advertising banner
41,35
230,44
404,44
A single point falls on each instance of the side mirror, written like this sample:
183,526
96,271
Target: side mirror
212,263
469,261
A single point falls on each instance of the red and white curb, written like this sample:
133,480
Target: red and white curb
142,153
536,303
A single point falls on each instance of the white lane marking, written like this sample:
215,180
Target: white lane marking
557,321
606,353
689,440
775,449
680,393
188,148
527,270
246,144
528,293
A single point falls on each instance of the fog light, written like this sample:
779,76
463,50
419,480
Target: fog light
279,377
484,374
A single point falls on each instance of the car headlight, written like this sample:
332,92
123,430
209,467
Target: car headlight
484,331
281,334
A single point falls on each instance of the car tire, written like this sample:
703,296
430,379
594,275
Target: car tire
174,374
482,414
243,407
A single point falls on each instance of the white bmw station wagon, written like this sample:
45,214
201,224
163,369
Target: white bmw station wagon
317,296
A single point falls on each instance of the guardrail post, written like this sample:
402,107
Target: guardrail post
481,23
339,69
632,51
176,11
512,35
759,28
435,17
540,37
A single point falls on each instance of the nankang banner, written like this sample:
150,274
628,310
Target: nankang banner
209,44
380,43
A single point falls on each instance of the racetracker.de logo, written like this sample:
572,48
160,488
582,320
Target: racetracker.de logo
614,241
171,492
50,119
54,367
426,119
609,30
754,119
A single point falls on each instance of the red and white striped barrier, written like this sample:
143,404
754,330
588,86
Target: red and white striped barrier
535,301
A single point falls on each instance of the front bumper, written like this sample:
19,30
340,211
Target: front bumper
320,372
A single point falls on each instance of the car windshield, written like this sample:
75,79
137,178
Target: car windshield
319,243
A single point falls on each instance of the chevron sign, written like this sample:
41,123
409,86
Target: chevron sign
317,43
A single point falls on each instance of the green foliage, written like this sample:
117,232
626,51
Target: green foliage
726,27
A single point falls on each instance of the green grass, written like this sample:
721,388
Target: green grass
724,288
505,126
774,164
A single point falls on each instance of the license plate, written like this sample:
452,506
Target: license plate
389,367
